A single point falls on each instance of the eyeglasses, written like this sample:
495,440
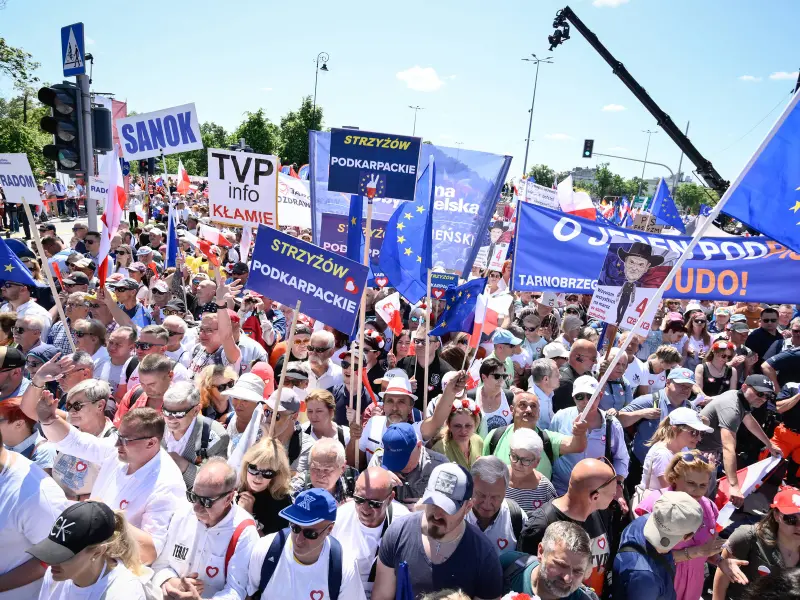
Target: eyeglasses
497,376
309,534
581,397
32,364
9,284
268,415
77,406
223,386
265,473
147,345
204,501
175,414
610,480
530,328
82,334
376,504
769,320
207,330
689,457
94,305
515,458
694,433
318,349
421,342
463,342
159,293
791,520
700,322
124,441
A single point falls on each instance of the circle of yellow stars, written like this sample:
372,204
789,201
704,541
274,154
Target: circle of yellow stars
401,238
451,299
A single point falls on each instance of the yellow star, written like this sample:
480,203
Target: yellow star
9,268
408,216
419,258
420,209
796,206
443,324
400,226
408,252
353,220
447,307
469,295
401,239
460,294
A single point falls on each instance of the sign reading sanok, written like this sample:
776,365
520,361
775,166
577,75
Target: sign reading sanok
165,131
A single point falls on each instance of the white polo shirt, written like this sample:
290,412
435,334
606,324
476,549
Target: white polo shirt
501,532
330,378
372,436
149,497
191,547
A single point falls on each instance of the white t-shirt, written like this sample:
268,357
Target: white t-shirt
362,541
117,584
656,381
75,476
182,355
345,432
636,373
655,464
372,436
179,373
501,532
252,352
292,579
330,378
149,497
30,503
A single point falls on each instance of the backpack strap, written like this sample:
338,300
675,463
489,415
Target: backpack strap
137,393
339,435
609,452
334,569
515,512
235,540
201,453
110,431
547,445
514,568
495,436
271,559
294,445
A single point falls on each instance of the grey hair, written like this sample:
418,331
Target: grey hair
229,481
34,322
543,367
528,440
572,535
82,360
176,320
183,391
489,469
794,321
329,447
93,389
570,323
325,335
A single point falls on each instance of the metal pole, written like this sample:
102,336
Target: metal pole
414,130
316,77
649,162
646,152
680,162
88,147
530,122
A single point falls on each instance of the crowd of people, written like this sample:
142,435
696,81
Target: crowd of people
149,451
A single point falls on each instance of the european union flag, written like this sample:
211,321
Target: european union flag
705,210
459,311
355,233
766,195
664,209
406,252
12,269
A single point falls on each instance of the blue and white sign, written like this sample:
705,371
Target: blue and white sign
72,50
288,269
167,131
376,165
441,282
17,180
126,167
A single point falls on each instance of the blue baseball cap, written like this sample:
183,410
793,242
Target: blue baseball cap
681,375
311,507
399,442
504,336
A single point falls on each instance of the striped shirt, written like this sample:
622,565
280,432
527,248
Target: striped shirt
530,500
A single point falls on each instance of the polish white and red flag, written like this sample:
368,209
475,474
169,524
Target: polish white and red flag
575,203
388,309
112,213
183,179
204,246
213,235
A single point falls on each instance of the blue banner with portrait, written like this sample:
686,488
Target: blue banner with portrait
562,253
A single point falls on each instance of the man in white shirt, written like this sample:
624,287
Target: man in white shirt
637,371
360,524
136,475
18,299
30,502
201,536
543,382
176,328
320,350
304,561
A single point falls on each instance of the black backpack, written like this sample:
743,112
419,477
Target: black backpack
547,443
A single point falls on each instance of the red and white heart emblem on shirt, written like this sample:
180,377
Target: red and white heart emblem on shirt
502,543
317,595
350,285
602,543
381,281
505,413
212,571
437,292
80,467
537,503
123,505
763,570
602,438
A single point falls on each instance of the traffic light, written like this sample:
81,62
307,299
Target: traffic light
65,122
588,147
147,166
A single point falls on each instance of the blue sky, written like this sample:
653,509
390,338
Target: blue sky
459,59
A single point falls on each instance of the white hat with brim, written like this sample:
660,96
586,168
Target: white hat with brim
683,415
396,372
248,387
399,386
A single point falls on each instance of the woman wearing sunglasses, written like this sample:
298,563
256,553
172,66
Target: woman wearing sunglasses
714,375
212,381
528,487
123,260
770,546
265,485
698,340
690,472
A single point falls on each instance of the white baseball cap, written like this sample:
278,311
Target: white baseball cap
585,384
684,415
555,350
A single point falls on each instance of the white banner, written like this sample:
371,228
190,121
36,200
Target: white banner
537,194
294,202
98,190
243,187
165,131
17,180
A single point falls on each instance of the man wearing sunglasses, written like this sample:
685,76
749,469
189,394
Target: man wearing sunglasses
315,565
28,333
725,414
178,347
582,356
201,535
90,337
152,339
362,523
155,374
320,350
125,291
414,366
760,340
19,299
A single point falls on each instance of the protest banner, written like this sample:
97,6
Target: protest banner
440,282
294,202
753,269
167,131
533,193
468,184
334,238
98,190
628,279
17,180
493,253
373,164
243,187
288,270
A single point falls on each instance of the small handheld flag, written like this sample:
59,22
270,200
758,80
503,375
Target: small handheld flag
459,312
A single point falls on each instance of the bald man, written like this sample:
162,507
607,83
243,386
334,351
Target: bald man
360,524
592,486
582,356
199,537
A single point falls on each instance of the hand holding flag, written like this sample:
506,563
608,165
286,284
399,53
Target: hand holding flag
460,303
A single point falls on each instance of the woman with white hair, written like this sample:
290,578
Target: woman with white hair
528,488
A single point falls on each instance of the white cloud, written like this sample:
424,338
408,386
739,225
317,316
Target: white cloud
266,89
559,137
617,149
613,108
89,41
609,3
749,78
779,75
421,79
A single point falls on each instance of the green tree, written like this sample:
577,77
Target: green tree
604,179
295,126
17,64
19,130
542,174
263,136
691,195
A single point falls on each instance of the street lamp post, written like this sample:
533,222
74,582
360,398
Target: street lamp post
646,152
535,60
415,109
323,58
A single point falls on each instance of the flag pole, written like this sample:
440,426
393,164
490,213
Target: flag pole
428,312
362,318
48,274
289,344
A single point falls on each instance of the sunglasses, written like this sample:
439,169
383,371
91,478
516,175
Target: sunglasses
32,364
20,330
94,305
347,364
223,386
727,356
769,320
767,395
531,328
689,457
581,397
265,473
147,345
791,520
317,349
174,333
175,414
204,501
700,322
82,334
610,480
309,534
268,415
515,458
159,293
421,342
9,284
376,504
694,433
414,319
76,406
90,242
497,376
124,441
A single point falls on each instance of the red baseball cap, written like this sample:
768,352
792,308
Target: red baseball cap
234,317
787,501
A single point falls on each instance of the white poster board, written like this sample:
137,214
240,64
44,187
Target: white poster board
243,188
528,191
17,180
167,131
294,202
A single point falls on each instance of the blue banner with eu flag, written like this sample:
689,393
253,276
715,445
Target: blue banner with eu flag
459,308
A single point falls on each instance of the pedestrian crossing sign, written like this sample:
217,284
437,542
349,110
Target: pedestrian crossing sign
73,56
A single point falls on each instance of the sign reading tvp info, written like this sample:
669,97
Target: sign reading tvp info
373,164
243,187
165,131
287,269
